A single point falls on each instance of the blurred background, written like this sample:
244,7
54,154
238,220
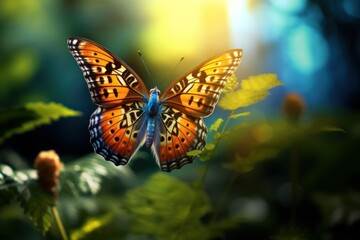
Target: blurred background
312,45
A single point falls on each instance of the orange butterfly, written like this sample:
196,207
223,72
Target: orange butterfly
128,115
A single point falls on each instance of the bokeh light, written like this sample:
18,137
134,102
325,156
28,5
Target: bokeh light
352,8
306,49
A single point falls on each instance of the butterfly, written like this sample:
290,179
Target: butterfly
129,116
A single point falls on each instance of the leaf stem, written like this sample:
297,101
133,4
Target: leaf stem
59,223
202,182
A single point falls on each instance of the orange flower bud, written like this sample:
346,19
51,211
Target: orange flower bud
48,165
294,106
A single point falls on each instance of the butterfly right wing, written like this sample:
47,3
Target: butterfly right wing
110,80
116,133
177,134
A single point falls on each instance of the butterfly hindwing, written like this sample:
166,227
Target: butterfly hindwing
197,92
110,81
177,134
116,133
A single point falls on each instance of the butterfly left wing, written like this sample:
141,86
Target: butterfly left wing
116,133
110,80
197,92
177,134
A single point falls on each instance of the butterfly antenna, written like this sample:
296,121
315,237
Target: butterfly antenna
172,70
147,70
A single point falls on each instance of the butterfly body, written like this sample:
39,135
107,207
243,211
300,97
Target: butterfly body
152,109
129,116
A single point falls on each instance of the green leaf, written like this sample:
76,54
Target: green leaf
85,175
253,90
261,82
21,186
209,146
234,116
231,84
194,152
90,226
13,182
166,208
18,120
215,126
207,152
37,206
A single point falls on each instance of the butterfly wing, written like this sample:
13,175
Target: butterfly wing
177,134
110,81
117,132
184,103
118,126
197,92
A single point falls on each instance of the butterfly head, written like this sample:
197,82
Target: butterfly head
154,92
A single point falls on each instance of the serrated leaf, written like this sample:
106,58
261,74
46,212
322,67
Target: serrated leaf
253,90
37,206
234,116
18,120
215,126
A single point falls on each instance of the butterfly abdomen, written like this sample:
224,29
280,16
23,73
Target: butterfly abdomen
150,132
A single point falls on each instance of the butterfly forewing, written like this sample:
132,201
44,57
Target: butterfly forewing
197,92
110,81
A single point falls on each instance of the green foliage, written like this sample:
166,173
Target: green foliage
37,206
215,126
21,186
85,175
20,65
231,84
90,226
339,208
268,141
18,120
246,164
253,90
332,129
12,183
166,208
243,114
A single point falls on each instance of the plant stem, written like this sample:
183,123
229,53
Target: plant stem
294,183
224,196
202,182
59,223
